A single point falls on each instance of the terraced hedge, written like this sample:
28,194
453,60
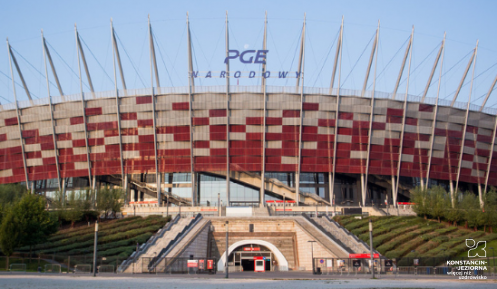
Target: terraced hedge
117,238
404,237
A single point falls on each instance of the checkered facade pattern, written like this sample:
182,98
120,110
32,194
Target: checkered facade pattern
288,135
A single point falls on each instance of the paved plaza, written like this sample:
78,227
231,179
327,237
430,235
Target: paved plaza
241,280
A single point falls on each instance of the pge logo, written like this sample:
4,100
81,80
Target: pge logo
474,251
260,56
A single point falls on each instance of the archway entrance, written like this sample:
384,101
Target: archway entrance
243,257
237,253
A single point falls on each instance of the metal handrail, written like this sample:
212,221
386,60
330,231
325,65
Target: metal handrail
163,253
333,238
349,233
150,242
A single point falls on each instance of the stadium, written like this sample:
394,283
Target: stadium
236,145
263,171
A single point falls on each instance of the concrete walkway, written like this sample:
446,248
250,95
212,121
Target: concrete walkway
241,280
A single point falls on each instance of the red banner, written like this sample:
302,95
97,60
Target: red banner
192,263
208,209
210,264
363,256
251,249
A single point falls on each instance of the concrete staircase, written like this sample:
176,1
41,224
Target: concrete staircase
333,245
352,242
346,232
177,243
261,212
152,251
194,242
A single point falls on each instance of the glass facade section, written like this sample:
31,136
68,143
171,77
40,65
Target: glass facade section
314,183
177,179
286,178
210,187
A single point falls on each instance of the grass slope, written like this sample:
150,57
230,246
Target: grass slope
414,237
116,241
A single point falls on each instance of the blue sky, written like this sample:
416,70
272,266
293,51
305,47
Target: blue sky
464,22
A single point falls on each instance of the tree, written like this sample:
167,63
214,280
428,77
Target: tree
11,194
110,200
490,208
57,206
419,198
10,235
33,221
74,209
471,206
437,197
454,214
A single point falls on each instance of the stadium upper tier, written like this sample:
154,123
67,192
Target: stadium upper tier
375,133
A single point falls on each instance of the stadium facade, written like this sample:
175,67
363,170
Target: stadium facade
247,145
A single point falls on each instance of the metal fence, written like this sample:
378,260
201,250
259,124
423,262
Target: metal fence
35,262
348,266
180,266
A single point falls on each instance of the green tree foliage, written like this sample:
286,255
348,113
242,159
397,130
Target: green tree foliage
34,221
57,205
110,200
10,235
74,208
11,194
26,223
471,207
454,214
490,209
419,198
437,202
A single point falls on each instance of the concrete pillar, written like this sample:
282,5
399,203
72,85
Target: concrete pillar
127,196
32,187
363,191
480,196
297,186
394,191
331,189
63,192
394,198
94,183
159,187
452,195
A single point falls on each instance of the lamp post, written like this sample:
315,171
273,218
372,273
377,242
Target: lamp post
371,246
95,250
284,203
226,267
493,255
155,260
312,255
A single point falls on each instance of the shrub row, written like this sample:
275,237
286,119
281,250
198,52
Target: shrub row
393,224
67,233
102,247
103,227
405,248
103,240
395,242
128,227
